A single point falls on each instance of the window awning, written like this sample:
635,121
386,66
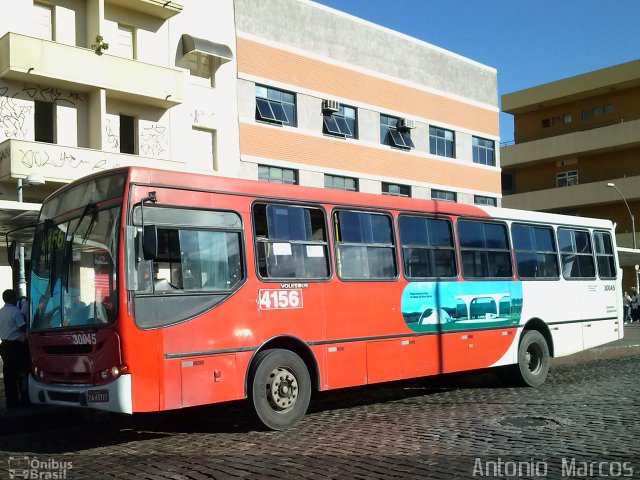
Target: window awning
628,257
194,45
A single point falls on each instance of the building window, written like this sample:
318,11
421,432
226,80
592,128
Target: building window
608,108
484,151
443,195
508,178
44,122
597,111
127,134
341,183
566,179
566,118
586,114
396,190
365,247
441,142
341,123
275,106
394,134
43,23
125,44
277,174
546,122
291,241
482,200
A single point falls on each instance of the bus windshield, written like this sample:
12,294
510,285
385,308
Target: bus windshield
73,273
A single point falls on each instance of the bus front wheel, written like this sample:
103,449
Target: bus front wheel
280,388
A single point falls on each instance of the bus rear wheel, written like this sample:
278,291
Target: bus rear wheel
533,362
533,359
280,388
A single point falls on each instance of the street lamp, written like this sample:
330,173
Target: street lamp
633,230
33,179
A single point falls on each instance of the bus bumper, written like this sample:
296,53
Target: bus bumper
111,397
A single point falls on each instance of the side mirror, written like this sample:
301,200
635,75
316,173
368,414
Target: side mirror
11,252
150,242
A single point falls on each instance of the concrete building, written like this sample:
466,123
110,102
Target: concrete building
284,90
573,137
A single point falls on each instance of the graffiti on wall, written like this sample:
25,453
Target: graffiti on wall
52,94
33,158
112,138
14,113
153,140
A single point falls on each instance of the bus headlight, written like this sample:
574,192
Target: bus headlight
115,372
104,375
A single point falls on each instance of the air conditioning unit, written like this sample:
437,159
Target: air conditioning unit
330,106
407,123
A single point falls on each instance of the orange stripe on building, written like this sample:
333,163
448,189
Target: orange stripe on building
324,152
283,66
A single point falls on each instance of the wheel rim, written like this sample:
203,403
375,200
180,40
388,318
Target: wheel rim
533,358
282,389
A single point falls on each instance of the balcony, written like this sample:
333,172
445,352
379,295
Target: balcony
574,196
33,60
63,164
612,137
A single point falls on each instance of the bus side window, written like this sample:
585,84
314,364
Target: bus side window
535,251
604,255
365,246
167,267
484,249
427,247
576,254
291,241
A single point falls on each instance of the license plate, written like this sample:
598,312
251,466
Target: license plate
97,396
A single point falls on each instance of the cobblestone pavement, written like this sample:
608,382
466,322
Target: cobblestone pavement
452,426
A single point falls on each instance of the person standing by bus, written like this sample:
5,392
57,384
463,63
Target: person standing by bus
13,350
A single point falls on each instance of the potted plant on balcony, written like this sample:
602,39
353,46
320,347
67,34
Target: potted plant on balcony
99,45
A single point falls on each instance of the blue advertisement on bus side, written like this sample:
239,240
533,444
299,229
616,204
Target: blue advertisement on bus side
447,306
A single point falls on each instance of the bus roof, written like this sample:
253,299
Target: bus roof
210,182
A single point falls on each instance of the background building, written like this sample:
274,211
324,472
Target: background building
419,120
284,90
573,137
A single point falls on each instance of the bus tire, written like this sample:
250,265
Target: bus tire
533,359
280,388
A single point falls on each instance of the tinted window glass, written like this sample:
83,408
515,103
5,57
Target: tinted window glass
604,255
427,247
535,251
484,249
577,260
364,245
291,241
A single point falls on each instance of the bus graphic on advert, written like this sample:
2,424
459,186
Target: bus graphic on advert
443,306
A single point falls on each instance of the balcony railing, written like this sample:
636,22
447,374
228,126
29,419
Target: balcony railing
63,164
36,61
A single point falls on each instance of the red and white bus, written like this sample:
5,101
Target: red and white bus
153,290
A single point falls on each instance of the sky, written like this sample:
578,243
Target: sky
529,42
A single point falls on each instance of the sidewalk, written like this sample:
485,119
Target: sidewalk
35,418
